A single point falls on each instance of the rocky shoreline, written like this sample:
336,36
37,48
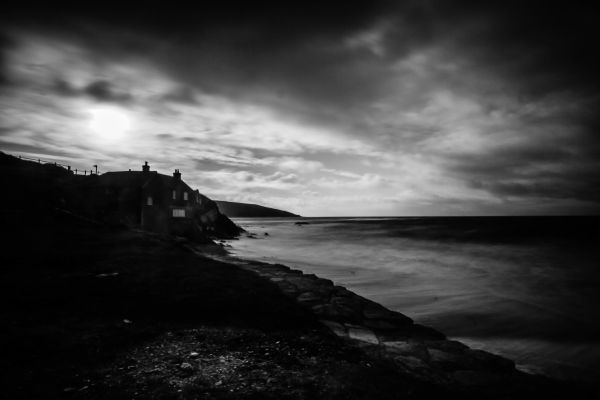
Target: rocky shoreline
418,351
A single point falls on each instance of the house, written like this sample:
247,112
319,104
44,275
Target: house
156,202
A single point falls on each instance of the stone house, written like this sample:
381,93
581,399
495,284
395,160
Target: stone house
156,202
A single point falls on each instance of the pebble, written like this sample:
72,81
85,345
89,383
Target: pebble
186,366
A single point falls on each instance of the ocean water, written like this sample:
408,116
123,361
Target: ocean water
526,288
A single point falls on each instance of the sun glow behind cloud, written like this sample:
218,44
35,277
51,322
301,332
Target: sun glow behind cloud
109,124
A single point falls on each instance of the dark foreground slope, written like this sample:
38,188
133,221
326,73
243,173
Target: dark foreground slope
244,210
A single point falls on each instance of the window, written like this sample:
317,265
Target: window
178,213
185,196
149,201
174,194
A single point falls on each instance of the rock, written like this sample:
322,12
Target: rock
324,282
335,327
186,368
342,291
194,354
353,302
288,288
379,324
106,275
339,313
361,333
407,348
447,345
266,233
305,285
411,362
425,333
375,311
452,361
309,298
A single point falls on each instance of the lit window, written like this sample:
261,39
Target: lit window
149,201
178,213
174,194
185,196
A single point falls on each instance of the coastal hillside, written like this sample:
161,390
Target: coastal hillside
245,210
142,199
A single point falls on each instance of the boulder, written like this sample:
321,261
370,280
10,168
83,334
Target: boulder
335,327
425,333
408,348
309,298
375,311
336,313
361,333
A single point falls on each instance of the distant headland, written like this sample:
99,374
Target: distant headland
245,210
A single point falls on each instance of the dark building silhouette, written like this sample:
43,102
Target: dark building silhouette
156,202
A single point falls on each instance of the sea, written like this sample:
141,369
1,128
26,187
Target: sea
527,288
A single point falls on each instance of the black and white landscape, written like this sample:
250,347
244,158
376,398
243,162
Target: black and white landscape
299,200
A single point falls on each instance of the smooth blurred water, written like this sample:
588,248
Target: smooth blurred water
528,289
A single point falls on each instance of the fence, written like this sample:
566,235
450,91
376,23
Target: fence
76,171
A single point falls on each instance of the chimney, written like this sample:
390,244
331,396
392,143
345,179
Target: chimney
177,175
145,167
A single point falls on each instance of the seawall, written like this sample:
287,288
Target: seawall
419,351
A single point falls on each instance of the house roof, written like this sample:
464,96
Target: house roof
140,179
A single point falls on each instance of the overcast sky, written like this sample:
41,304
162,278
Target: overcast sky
354,108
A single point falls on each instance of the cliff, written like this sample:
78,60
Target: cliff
244,210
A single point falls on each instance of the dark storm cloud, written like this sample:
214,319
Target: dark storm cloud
294,50
544,172
104,91
100,90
